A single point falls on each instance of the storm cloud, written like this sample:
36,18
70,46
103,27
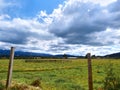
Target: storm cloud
78,20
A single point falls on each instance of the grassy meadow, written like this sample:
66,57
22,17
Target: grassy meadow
71,74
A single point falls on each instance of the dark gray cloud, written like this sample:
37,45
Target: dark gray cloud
22,36
15,36
79,20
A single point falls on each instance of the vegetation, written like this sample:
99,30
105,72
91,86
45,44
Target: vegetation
112,81
2,86
68,75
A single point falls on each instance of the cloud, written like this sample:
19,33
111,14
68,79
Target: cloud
114,7
20,31
107,37
102,2
6,4
75,27
26,34
75,21
4,16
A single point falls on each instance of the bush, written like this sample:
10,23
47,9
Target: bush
112,81
1,86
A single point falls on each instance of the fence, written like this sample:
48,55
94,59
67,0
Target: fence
9,77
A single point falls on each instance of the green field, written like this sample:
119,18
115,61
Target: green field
60,75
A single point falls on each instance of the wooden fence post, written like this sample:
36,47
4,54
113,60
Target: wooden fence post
9,76
90,82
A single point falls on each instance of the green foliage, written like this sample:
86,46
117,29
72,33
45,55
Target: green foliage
1,86
71,86
112,81
60,81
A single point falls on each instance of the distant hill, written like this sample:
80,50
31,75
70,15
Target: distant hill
114,55
6,53
23,54
66,55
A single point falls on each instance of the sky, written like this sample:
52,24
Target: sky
72,27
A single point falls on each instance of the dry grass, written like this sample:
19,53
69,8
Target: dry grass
19,86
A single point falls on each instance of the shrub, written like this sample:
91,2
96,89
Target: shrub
2,86
112,81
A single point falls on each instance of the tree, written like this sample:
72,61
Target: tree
65,56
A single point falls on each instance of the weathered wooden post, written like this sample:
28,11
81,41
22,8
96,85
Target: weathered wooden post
90,82
9,76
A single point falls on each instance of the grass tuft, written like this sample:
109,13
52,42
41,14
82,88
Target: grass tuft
36,83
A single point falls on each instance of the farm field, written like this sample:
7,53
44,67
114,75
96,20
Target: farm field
71,74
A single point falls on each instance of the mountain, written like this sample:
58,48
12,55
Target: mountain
23,54
114,55
6,53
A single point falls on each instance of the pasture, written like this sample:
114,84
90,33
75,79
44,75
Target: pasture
68,74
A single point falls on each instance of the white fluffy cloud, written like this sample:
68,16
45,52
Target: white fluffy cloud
107,37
